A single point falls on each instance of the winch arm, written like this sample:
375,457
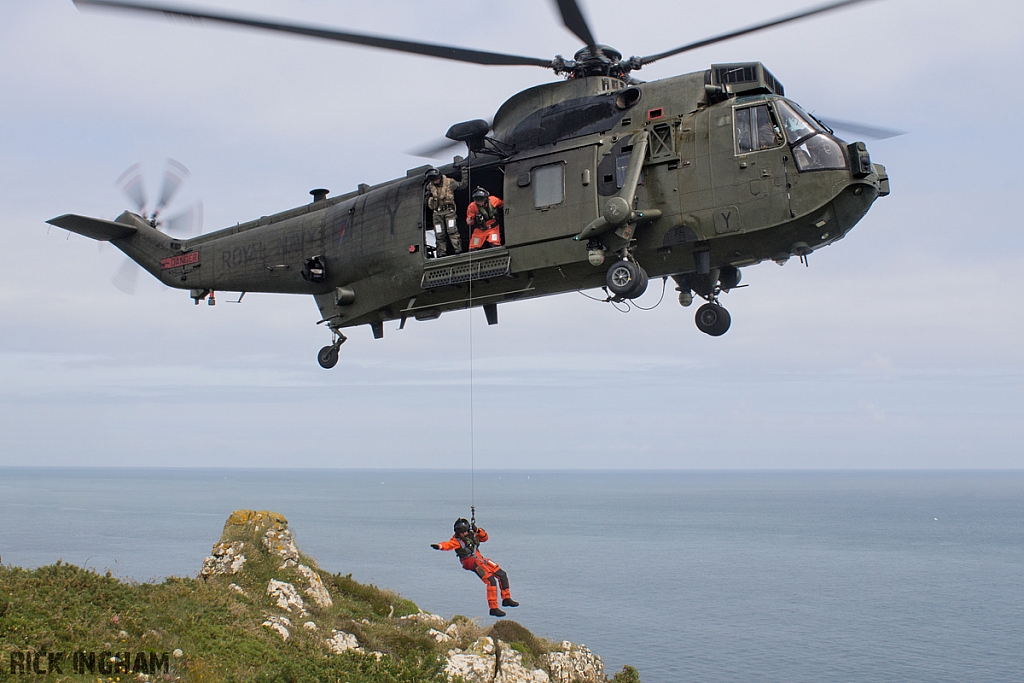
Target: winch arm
618,210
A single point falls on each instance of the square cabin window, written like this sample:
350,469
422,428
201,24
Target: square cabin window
548,185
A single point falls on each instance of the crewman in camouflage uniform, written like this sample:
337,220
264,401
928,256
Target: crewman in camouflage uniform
441,200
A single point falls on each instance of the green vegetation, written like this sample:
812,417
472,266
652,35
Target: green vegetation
215,628
381,601
60,608
627,675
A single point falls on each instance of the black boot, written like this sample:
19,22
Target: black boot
495,612
509,602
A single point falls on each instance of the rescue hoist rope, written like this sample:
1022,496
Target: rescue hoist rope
469,305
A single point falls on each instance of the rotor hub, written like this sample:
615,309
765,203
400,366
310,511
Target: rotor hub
603,53
602,61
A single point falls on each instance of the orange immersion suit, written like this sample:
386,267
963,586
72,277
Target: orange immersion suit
468,551
485,223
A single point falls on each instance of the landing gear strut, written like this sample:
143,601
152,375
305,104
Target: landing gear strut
328,355
711,318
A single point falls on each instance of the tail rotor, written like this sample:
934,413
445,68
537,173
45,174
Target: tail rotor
175,175
185,223
133,187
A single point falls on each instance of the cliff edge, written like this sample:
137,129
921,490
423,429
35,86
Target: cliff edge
260,610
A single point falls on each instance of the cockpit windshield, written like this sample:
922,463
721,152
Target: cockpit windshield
814,149
796,122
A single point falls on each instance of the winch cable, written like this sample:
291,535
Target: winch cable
469,306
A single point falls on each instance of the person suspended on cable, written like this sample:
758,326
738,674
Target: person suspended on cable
466,544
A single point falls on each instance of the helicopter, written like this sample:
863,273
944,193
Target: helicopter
602,181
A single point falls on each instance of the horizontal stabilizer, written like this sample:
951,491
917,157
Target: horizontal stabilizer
96,228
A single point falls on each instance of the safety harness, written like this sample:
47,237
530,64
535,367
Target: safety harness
488,213
468,547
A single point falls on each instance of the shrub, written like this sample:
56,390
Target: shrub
515,633
627,675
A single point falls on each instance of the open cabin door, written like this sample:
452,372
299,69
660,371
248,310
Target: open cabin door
550,197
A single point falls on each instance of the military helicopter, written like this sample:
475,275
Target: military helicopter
605,180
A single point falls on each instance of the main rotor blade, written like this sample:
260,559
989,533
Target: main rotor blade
572,17
751,29
437,149
870,132
429,49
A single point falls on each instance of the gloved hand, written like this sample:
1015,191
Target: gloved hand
435,546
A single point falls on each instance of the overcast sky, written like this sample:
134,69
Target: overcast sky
899,347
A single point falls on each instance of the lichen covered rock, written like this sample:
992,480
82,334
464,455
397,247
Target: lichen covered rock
573,664
475,664
315,588
511,670
341,641
286,596
227,558
439,636
281,543
280,625
258,519
489,660
435,620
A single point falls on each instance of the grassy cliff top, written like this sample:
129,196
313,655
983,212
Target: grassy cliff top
259,610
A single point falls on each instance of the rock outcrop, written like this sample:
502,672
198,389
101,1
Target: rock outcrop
491,660
286,596
573,663
227,558
315,586
340,642
258,561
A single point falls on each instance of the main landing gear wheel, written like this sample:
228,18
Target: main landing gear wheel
328,357
626,280
641,286
713,319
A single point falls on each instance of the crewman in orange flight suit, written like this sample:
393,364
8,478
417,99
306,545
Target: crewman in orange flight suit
484,217
466,544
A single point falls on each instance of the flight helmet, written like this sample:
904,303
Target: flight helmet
461,525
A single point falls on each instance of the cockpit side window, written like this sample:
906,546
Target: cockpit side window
756,129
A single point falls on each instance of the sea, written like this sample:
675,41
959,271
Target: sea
785,577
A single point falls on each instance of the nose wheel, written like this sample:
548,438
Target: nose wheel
713,319
328,355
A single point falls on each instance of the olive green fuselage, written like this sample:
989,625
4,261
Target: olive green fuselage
565,145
